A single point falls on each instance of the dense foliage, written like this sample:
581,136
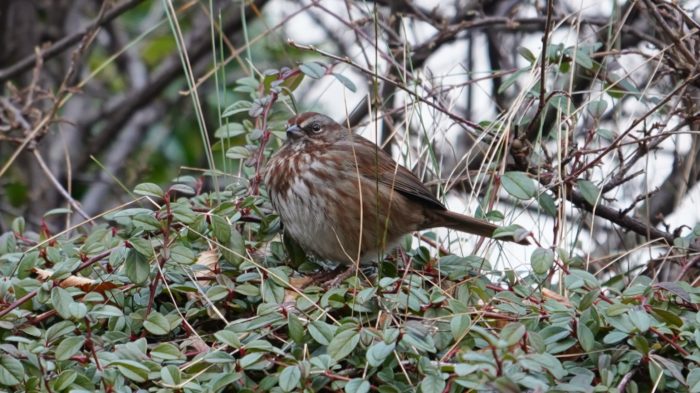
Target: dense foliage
188,285
195,295
193,291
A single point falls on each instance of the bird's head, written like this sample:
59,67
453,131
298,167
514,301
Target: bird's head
313,127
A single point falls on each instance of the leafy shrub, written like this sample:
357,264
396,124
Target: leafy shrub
196,294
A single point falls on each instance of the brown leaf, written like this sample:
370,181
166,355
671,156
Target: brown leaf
210,260
549,294
85,284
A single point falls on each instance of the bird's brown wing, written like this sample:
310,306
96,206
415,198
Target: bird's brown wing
385,170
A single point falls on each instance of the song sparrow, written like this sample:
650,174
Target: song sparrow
342,198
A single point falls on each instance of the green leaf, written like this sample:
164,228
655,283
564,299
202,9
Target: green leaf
614,337
147,222
182,254
279,276
142,246
511,79
221,228
671,366
640,319
247,290
228,337
541,260
136,267
494,215
166,351
58,330
693,380
157,324
526,54
587,278
585,337
105,311
622,86
343,344
518,185
218,357
149,189
513,333
260,345
296,328
456,267
421,342
171,375
583,59
61,301
77,310
551,364
313,69
357,385
656,373
26,264
217,292
183,189
588,299
640,343
291,83
272,292
183,213
289,378
69,347
677,289
238,153
459,324
432,384
58,211
11,371
378,352
19,225
250,359
132,369
321,331
547,203
237,107
64,380
589,191
229,130
513,231
346,82
668,317
235,250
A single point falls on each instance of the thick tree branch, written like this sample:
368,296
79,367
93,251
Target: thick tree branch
57,48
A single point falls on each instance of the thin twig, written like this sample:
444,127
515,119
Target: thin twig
58,186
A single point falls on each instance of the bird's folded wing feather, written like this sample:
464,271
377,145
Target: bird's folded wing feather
389,172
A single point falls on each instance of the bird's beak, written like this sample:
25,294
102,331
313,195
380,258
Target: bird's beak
294,132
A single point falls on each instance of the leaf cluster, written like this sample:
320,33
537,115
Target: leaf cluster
195,295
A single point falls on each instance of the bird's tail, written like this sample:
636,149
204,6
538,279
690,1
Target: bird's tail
467,224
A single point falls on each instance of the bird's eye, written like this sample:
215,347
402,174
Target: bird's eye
315,126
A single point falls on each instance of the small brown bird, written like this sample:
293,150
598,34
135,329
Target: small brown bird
343,199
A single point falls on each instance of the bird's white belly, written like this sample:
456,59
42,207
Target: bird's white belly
306,219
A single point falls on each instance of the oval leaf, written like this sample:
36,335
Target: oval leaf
589,191
69,347
343,344
518,185
542,260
